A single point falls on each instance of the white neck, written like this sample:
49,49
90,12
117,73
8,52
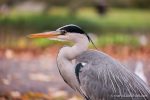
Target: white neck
67,55
81,45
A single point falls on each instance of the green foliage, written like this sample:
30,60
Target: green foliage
115,21
46,42
42,42
119,20
117,39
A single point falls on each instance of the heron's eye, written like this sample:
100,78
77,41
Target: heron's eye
63,32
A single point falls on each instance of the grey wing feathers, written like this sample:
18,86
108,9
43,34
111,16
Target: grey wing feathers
103,78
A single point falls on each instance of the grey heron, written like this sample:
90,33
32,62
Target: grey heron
94,74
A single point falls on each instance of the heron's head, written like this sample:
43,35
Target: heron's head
69,32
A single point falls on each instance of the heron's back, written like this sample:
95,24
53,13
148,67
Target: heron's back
105,78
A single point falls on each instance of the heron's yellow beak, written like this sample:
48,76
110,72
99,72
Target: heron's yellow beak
51,34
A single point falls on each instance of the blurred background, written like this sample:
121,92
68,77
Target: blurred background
28,71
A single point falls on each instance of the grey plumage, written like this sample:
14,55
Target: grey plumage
103,78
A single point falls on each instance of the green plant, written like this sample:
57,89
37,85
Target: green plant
118,40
